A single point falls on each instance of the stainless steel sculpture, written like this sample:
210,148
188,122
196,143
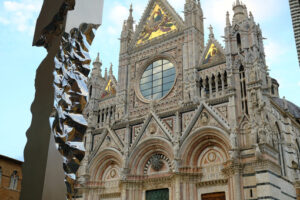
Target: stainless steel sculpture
67,36
70,80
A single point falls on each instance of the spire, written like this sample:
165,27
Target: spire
237,2
130,20
97,60
130,11
227,19
97,66
105,74
211,32
111,70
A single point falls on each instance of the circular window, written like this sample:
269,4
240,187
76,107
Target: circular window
157,80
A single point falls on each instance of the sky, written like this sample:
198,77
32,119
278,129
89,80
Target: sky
19,60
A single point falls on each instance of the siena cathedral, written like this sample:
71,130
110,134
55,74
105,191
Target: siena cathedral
189,119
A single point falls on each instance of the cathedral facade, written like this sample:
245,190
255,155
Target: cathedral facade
189,119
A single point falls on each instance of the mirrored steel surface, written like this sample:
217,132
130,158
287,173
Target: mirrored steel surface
70,83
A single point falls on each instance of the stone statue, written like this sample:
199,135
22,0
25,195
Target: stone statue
262,136
233,139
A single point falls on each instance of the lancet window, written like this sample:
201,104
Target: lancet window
106,115
243,90
213,85
280,150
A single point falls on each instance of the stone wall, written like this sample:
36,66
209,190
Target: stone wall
8,166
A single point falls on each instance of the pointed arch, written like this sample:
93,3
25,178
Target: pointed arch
243,90
225,80
238,41
213,83
281,156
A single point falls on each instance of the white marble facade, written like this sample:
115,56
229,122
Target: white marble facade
220,129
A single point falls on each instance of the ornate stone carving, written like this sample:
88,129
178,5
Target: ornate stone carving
156,162
152,128
204,118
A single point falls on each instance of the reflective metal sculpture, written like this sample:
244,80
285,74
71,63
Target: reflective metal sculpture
71,73
66,29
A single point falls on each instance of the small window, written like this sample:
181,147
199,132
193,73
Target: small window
251,193
14,181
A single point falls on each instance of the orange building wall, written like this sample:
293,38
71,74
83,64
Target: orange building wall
8,166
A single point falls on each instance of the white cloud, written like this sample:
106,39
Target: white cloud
118,14
299,83
21,15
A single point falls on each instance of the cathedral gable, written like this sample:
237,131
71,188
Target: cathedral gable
159,19
110,89
153,130
152,127
213,54
205,116
108,139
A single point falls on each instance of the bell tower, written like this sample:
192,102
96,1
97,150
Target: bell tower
245,55
193,46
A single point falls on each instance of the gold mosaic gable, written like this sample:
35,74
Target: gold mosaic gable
109,90
211,53
157,24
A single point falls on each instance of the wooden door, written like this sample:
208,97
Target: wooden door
214,196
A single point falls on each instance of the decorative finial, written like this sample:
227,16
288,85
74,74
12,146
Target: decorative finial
130,12
237,2
130,20
105,74
98,57
211,32
251,16
97,61
227,19
131,9
111,69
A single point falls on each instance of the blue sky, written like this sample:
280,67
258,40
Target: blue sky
19,59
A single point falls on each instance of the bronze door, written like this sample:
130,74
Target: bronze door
161,194
214,196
